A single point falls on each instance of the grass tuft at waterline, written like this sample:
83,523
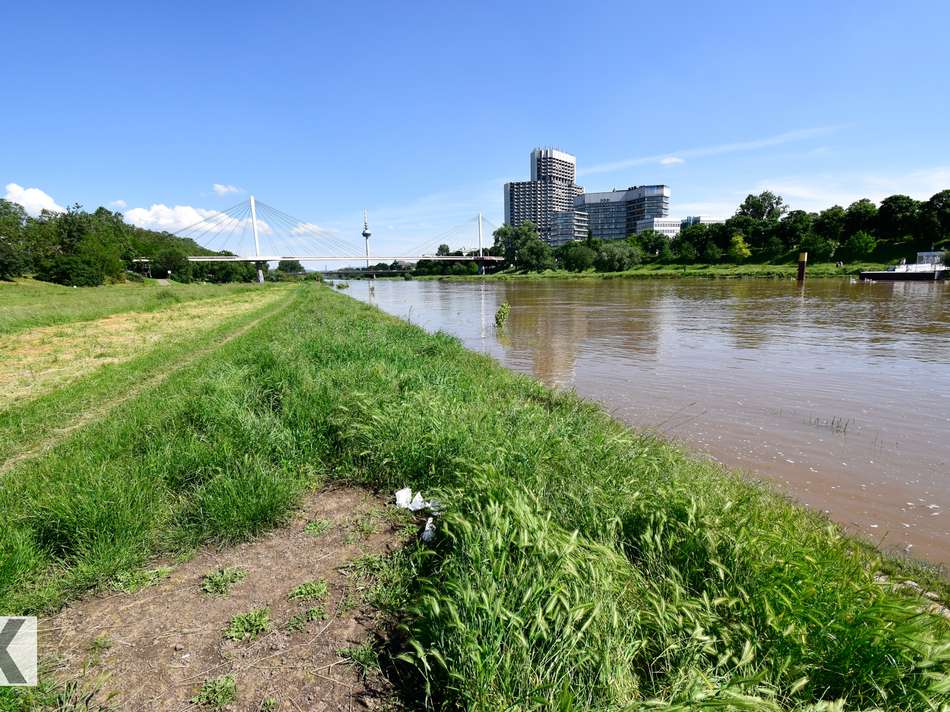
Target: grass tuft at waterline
578,565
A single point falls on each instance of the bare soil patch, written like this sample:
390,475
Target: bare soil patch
153,649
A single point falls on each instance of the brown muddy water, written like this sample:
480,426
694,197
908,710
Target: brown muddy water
837,392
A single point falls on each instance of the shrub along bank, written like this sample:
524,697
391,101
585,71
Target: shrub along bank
578,565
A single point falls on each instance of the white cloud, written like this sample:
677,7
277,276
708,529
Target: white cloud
671,161
33,200
822,191
307,228
173,219
224,189
718,150
120,204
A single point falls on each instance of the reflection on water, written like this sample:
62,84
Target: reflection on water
839,392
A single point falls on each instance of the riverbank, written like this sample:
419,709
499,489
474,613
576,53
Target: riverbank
577,565
674,271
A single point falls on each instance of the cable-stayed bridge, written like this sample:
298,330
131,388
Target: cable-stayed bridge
252,231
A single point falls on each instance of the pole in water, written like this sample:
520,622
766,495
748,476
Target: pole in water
802,263
257,240
366,234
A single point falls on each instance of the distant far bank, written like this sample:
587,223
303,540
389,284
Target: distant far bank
671,271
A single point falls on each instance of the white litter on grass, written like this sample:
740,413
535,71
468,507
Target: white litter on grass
405,500
429,531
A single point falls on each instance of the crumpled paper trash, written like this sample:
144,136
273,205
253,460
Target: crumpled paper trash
405,500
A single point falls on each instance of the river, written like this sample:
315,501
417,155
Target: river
839,393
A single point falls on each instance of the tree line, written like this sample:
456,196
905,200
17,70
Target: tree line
762,230
83,249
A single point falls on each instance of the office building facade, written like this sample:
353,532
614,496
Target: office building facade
614,214
700,220
551,190
666,226
567,226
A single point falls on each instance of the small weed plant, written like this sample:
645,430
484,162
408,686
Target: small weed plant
300,620
309,591
132,581
248,626
318,527
363,656
219,583
216,692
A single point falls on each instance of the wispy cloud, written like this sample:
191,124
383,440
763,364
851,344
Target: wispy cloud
673,157
33,200
120,204
821,191
225,189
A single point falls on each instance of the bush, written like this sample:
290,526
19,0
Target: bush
616,256
10,263
72,271
576,257
819,249
859,245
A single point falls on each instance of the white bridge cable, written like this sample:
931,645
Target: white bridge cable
287,232
430,246
299,232
213,226
240,221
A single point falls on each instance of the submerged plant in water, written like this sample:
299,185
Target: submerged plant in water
501,316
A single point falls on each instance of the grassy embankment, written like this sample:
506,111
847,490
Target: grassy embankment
578,566
28,303
672,271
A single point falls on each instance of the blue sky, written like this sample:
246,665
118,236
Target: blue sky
420,111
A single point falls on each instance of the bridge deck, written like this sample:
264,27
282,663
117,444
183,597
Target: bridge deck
310,258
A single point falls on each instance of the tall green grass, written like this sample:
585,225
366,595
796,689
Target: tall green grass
579,566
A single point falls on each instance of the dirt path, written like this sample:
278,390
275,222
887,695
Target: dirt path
155,648
95,414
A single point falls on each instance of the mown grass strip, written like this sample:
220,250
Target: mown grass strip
26,426
28,303
578,566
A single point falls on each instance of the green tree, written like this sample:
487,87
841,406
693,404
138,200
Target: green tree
172,259
860,244
793,228
829,225
616,256
655,245
576,256
861,216
738,249
819,248
712,253
686,252
935,217
523,249
292,266
11,265
764,206
897,217
442,251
